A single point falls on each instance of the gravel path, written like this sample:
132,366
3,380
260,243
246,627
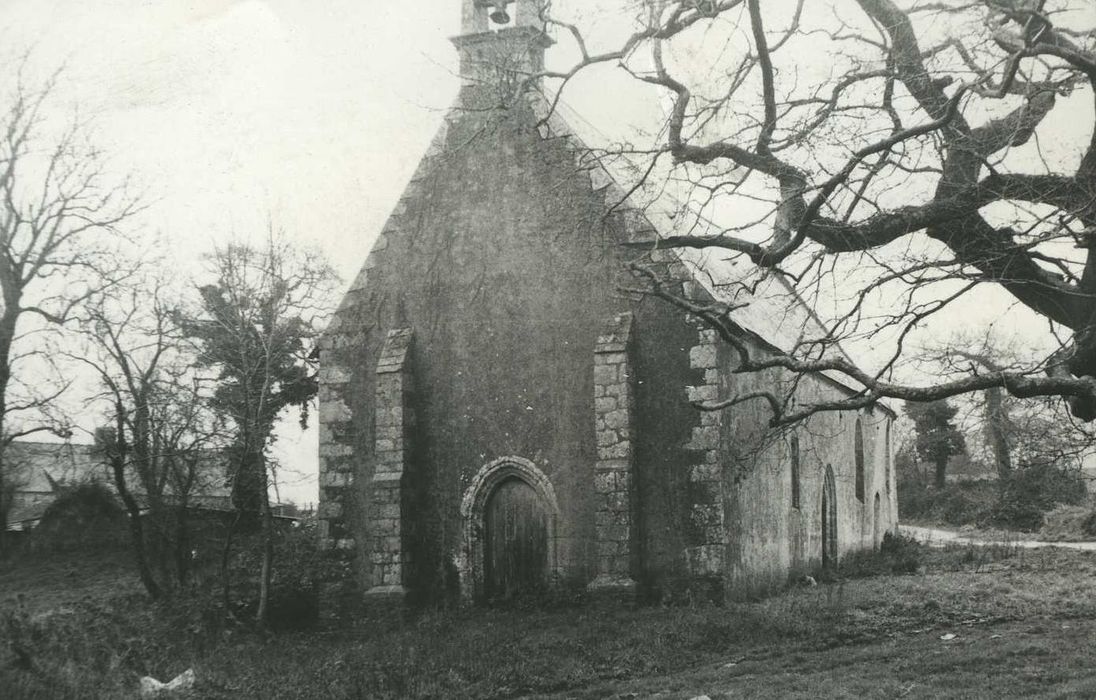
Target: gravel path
938,538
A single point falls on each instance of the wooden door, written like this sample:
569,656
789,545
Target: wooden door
516,542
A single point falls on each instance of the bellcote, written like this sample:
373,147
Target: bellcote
501,42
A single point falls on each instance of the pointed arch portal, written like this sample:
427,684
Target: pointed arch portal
509,512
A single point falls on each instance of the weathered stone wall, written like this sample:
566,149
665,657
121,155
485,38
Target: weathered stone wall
502,263
614,416
769,540
705,558
349,355
507,294
391,507
677,447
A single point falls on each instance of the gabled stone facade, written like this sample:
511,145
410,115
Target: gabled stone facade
497,415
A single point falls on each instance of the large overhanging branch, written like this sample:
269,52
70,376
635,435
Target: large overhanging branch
1021,56
872,388
840,237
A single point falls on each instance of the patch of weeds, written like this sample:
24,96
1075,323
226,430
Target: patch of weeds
897,554
91,649
1070,523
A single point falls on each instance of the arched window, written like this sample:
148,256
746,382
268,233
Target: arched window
829,519
876,524
793,458
887,455
858,449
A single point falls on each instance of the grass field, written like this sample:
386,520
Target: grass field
1024,625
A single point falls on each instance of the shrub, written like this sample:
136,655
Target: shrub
898,554
915,499
293,603
960,503
1031,491
956,507
1012,513
1068,522
82,517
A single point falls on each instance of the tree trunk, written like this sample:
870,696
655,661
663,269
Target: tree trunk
997,427
118,464
268,560
248,485
941,472
182,543
4,498
8,319
226,551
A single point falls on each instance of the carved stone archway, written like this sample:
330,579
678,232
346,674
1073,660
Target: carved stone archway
470,563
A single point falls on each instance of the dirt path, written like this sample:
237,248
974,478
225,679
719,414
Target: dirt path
1030,659
938,538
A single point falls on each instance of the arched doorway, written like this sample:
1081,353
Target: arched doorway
515,560
509,544
829,519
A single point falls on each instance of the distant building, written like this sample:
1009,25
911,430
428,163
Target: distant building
36,472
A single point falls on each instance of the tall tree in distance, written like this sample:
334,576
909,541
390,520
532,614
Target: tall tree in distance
1012,431
937,437
258,319
60,222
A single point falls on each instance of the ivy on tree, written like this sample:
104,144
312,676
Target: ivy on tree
256,330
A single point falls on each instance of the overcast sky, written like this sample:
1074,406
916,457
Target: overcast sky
225,112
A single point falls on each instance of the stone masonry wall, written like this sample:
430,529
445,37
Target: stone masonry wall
613,473
390,525
706,537
347,348
705,556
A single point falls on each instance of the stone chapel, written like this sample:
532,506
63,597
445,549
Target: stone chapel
498,418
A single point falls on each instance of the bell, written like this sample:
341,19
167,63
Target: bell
499,15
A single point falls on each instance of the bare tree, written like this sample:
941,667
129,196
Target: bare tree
59,212
163,443
1016,432
990,413
890,150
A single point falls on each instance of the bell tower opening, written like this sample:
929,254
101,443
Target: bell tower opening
480,16
502,42
499,15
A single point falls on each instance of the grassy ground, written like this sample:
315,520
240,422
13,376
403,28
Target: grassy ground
59,581
1024,625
